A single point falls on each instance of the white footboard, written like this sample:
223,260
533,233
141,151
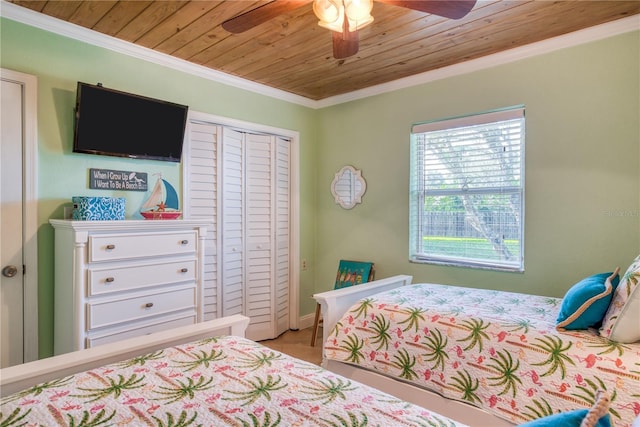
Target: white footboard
20,377
335,303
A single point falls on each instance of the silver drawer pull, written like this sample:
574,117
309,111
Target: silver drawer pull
148,305
109,279
184,242
184,270
111,247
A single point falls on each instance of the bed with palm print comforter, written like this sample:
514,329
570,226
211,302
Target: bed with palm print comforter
222,381
496,350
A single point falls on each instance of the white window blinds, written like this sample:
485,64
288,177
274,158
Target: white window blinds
467,191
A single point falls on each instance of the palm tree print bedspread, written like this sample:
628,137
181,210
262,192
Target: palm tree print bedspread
495,350
224,381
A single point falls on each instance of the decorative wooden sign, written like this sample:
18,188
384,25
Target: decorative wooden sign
105,179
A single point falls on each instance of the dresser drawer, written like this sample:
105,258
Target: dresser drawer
103,281
110,247
142,328
128,308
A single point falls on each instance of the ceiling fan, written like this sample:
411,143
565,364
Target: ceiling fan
344,17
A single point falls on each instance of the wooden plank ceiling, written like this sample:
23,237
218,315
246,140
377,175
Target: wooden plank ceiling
292,53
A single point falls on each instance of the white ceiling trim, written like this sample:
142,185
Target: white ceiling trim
67,29
58,26
575,38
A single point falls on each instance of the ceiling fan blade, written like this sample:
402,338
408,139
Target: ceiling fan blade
260,15
453,9
345,44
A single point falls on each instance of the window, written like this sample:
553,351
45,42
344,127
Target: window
467,191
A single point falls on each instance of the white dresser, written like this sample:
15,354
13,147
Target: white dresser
121,279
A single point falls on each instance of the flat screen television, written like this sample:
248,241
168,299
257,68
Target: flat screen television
114,123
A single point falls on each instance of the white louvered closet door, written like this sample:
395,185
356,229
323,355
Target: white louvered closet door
267,235
259,203
282,191
233,223
255,231
202,199
240,184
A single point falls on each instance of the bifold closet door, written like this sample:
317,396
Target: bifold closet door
255,231
267,236
282,191
202,199
259,236
240,184
233,262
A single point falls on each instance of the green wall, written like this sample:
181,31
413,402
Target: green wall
582,188
582,155
59,63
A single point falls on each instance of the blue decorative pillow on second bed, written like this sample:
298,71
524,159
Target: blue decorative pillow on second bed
585,304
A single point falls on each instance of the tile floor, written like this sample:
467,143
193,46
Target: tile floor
298,344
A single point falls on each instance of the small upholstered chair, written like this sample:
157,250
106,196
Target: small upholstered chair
350,273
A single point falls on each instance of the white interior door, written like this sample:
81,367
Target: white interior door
11,262
18,219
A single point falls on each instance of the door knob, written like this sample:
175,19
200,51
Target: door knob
10,271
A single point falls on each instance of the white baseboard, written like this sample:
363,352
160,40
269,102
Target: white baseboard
306,321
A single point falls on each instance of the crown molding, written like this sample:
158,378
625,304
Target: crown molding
587,35
67,29
73,31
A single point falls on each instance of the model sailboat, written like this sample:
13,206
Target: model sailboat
162,203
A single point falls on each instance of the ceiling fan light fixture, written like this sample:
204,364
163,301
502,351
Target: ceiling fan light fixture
331,13
358,13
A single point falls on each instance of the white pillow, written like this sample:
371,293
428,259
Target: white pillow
621,323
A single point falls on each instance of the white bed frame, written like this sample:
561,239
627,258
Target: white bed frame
20,377
335,303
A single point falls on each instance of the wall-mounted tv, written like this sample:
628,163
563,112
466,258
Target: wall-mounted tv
115,123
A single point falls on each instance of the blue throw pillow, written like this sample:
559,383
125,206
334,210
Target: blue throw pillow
585,304
567,419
